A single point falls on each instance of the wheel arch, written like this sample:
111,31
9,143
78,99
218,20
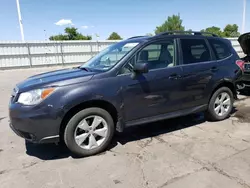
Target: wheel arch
225,83
109,107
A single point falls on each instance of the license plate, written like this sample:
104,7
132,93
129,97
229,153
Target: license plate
247,66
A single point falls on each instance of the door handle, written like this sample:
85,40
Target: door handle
174,77
214,69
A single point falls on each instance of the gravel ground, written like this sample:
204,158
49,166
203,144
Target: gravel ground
165,154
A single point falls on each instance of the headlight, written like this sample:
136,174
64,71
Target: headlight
34,96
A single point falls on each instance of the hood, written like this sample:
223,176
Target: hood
244,41
56,78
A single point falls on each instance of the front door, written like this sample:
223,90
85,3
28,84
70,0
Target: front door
156,92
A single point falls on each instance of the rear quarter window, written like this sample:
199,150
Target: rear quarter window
221,49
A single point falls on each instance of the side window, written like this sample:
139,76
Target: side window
221,49
158,55
154,52
195,51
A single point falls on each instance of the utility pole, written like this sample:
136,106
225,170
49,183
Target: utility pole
45,34
20,19
244,16
97,37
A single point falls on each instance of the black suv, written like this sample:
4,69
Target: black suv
135,81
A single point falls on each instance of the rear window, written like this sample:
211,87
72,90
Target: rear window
220,48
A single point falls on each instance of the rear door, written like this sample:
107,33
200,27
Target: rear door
199,71
227,57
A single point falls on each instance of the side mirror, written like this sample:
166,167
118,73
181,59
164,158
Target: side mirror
141,67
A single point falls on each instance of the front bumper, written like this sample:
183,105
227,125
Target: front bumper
35,124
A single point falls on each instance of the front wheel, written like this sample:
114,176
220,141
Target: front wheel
89,132
220,104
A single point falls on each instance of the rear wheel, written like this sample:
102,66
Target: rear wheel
89,132
220,104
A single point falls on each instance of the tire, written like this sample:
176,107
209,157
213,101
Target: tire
211,112
86,148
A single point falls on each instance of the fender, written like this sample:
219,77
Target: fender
227,82
109,91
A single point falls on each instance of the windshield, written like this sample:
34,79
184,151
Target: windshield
110,56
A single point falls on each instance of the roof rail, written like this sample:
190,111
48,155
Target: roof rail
186,32
136,37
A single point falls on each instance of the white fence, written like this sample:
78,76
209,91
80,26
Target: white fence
236,46
43,53
20,54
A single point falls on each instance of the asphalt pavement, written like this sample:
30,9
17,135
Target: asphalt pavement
183,152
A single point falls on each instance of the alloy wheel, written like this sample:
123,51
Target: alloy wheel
222,104
91,132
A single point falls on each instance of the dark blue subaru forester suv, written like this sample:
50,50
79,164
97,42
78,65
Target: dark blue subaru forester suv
135,81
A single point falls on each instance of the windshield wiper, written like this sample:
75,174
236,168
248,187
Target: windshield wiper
84,68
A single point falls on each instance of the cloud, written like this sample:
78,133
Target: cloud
86,26
64,22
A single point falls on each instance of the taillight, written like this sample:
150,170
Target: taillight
240,64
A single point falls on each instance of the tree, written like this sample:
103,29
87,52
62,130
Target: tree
114,36
173,23
189,31
149,34
59,37
214,30
71,33
231,30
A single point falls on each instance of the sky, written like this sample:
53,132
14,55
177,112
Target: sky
43,18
